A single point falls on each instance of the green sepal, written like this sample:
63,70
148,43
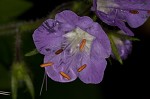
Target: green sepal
14,86
20,73
31,53
124,37
29,85
115,50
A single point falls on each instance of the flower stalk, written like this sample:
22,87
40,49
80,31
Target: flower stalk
19,71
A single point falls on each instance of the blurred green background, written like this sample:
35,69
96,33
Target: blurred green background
129,80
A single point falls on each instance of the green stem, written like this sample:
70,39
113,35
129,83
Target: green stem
22,27
18,47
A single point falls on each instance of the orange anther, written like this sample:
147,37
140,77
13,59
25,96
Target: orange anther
134,11
59,51
47,64
82,67
82,44
148,11
65,75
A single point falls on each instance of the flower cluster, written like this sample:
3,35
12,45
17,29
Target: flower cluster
117,12
75,46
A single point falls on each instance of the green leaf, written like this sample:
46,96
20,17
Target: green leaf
10,9
31,53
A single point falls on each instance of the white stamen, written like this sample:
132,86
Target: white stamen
44,79
77,36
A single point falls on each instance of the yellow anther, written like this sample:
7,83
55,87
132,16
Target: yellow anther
82,44
59,51
65,75
134,11
47,64
81,68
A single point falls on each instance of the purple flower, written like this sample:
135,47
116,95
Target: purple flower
74,47
124,47
117,12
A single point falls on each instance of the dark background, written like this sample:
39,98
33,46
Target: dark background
127,81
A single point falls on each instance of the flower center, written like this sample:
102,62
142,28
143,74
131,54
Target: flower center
79,40
75,41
